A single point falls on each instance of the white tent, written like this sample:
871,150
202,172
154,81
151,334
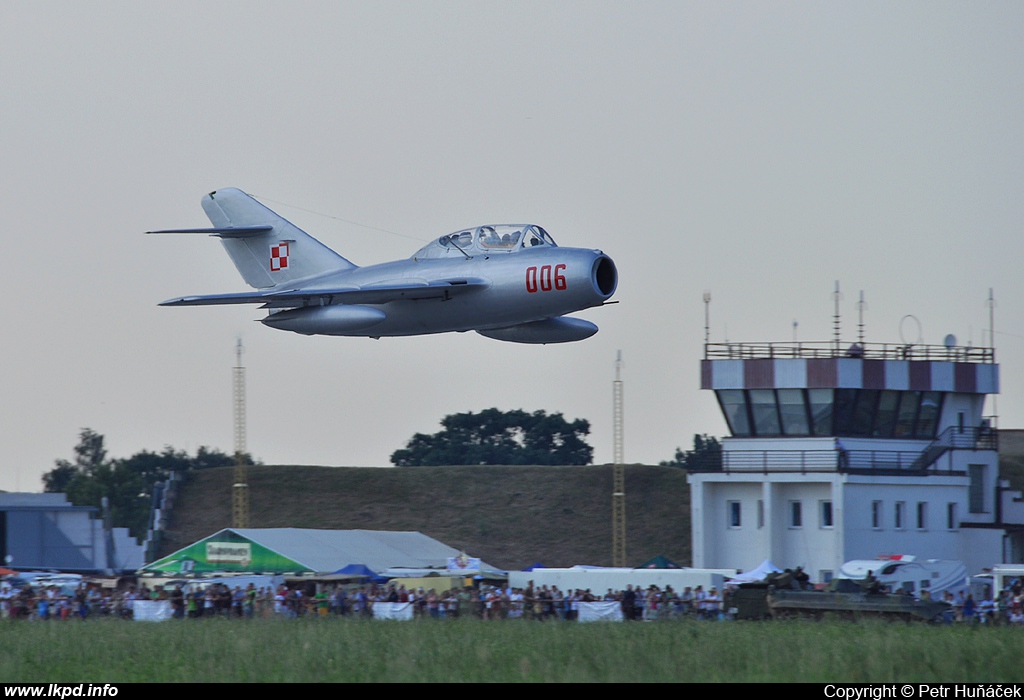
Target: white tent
754,575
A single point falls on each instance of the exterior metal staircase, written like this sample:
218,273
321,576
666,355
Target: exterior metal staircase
956,438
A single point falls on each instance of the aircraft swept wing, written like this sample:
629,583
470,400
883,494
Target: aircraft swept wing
506,281
415,290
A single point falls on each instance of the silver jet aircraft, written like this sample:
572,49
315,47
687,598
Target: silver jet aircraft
507,282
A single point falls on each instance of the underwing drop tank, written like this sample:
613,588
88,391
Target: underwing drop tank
326,320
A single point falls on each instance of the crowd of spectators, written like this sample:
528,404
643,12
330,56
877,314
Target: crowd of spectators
489,602
1006,608
89,600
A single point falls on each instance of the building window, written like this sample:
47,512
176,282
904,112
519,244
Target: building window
951,519
901,508
876,515
734,514
922,515
976,489
796,514
826,513
760,514
825,576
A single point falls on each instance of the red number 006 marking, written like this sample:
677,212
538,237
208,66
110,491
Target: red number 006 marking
545,278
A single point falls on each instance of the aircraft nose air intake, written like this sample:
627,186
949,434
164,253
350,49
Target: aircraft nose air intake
604,276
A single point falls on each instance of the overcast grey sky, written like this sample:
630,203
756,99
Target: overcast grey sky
760,150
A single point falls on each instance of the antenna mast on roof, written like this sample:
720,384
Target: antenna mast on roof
707,321
835,319
992,344
861,305
991,320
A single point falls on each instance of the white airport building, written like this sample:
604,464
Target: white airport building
840,453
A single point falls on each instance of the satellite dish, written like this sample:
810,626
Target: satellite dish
949,341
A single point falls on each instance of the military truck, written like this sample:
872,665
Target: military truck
784,596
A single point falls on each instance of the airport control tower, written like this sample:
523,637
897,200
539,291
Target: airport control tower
851,452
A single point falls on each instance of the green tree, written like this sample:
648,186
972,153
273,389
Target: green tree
500,437
706,455
128,483
90,455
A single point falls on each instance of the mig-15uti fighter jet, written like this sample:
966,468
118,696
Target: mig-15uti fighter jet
507,281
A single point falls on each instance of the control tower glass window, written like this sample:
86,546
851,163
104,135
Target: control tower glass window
793,411
734,406
928,417
863,412
907,417
831,412
821,410
885,419
845,401
765,412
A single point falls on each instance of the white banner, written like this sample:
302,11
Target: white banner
462,563
609,611
392,611
239,553
152,610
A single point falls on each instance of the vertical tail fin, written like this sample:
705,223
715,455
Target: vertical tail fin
270,258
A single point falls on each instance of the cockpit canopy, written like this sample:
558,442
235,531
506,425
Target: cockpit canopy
487,240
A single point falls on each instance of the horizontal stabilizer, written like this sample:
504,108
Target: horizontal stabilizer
413,290
225,232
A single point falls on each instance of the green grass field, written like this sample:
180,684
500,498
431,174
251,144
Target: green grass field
338,650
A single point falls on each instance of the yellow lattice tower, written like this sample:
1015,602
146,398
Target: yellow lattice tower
618,471
240,489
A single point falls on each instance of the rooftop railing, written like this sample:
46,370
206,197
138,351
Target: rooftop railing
865,351
804,461
911,463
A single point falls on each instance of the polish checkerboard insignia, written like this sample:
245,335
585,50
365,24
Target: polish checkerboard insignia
278,257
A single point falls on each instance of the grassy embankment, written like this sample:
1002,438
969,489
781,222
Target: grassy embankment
511,517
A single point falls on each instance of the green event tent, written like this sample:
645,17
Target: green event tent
294,550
